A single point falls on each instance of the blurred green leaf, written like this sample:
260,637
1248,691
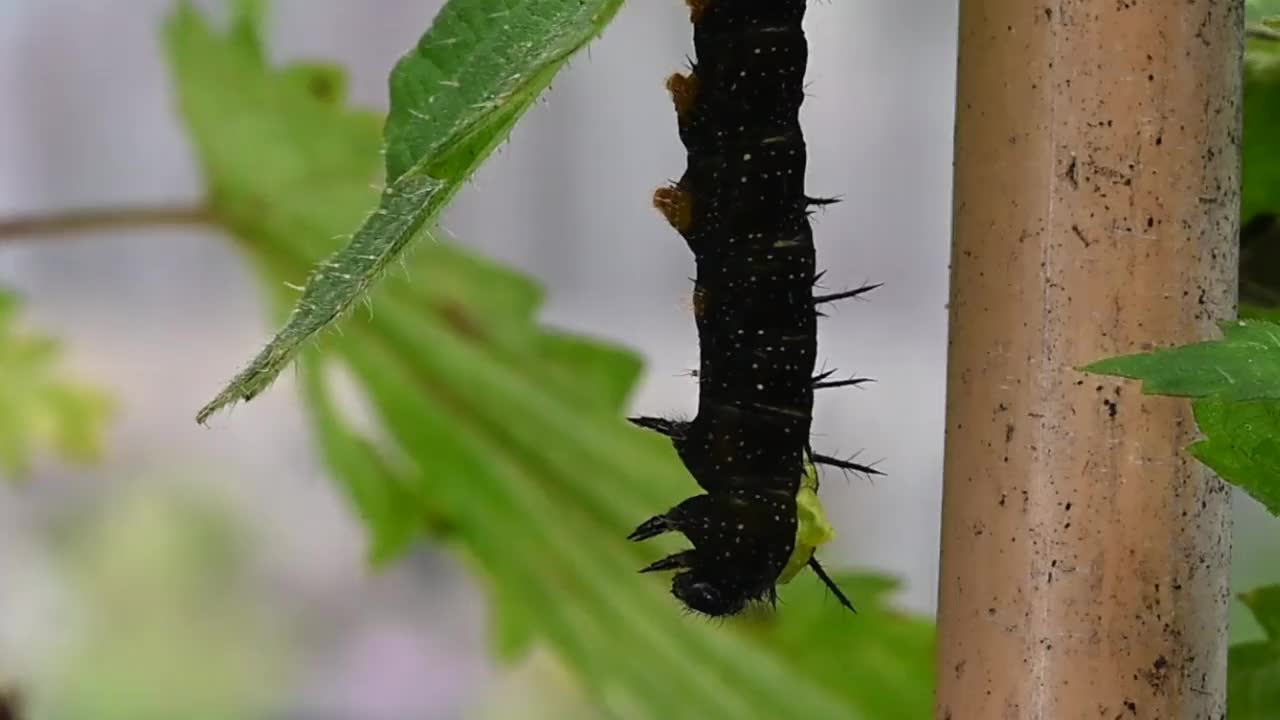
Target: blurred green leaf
38,408
1264,602
1257,9
164,628
256,179
454,99
507,439
899,656
1260,191
1243,445
1244,365
1253,676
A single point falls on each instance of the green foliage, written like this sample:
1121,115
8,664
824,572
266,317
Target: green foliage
257,180
1260,192
37,407
1258,9
1237,383
454,99
164,629
1244,365
1254,675
504,438
1242,445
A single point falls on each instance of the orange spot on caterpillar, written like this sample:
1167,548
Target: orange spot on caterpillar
684,91
697,8
676,206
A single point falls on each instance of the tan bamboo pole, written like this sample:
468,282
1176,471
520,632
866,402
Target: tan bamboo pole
1084,559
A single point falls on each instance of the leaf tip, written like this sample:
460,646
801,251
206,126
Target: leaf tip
1106,366
248,384
225,399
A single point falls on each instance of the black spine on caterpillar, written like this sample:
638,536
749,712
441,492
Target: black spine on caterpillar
742,209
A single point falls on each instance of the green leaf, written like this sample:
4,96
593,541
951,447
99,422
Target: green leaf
539,483
1264,602
1257,9
1242,445
1244,365
257,179
1260,191
38,408
454,99
899,654
1260,194
1253,676
506,439
172,631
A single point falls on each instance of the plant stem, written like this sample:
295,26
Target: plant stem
93,220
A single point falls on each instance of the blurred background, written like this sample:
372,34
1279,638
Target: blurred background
231,541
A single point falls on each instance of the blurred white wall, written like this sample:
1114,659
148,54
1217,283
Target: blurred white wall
164,317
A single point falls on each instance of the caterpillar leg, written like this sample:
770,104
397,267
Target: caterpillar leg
652,527
670,428
677,561
820,201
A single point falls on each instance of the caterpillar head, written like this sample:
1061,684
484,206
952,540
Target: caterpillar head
710,595
742,540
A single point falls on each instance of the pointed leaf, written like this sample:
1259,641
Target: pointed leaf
1243,445
1244,365
454,99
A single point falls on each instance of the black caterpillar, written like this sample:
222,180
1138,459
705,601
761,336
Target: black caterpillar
742,209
